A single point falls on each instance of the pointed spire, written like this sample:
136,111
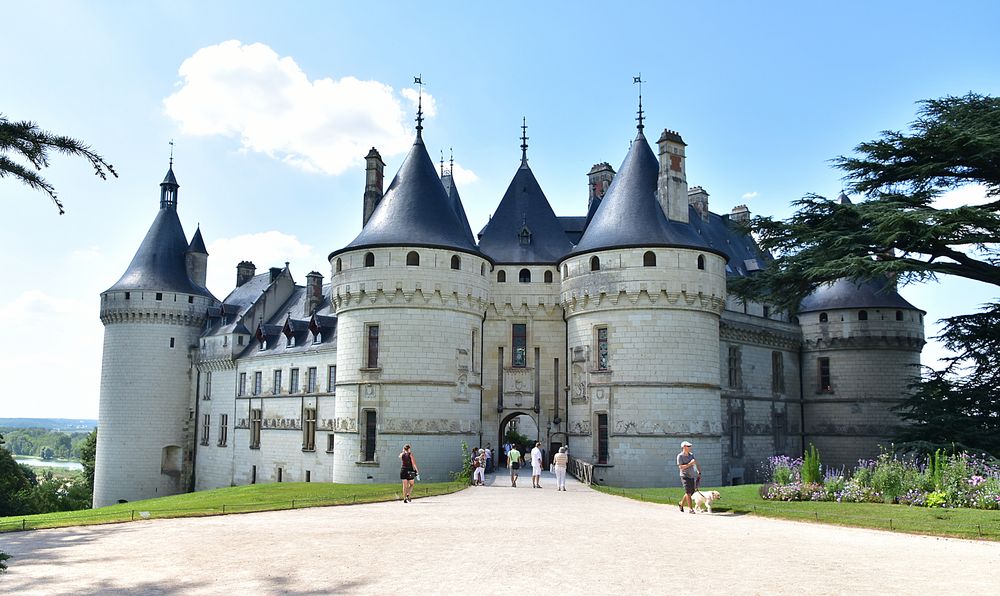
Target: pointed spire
169,186
451,165
442,163
418,81
524,142
638,81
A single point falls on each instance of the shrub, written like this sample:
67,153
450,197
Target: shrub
465,473
3,562
811,466
888,477
783,469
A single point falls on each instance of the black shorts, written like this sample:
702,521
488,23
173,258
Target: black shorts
406,474
515,466
688,485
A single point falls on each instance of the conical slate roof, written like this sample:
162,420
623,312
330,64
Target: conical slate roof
415,211
847,293
630,215
159,264
524,207
198,243
448,181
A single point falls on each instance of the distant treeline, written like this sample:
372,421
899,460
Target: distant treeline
43,443
64,424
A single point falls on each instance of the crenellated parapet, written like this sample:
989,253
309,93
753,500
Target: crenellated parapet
775,335
158,308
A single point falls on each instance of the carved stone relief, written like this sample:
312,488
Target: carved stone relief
580,427
345,424
579,385
429,426
463,388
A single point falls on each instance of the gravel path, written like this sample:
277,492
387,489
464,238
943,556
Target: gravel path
492,540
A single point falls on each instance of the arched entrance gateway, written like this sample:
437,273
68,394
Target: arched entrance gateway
523,423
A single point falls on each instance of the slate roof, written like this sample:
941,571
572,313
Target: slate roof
631,216
198,243
448,181
415,211
573,225
721,234
524,206
846,293
159,264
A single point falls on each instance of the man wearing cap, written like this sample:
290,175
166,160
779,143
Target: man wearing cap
688,465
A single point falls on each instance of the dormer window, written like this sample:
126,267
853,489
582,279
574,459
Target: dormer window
823,318
862,315
524,236
291,341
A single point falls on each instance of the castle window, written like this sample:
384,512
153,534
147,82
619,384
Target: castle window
767,312
602,438
293,380
899,315
456,263
256,416
736,433
368,441
524,276
171,342
339,265
223,429
602,348
862,315
159,295
595,264
548,277
239,339
311,379
735,367
309,430
825,385
190,299
649,259
701,262
257,382
565,271
519,341
308,476
777,372
780,431
243,384
330,440
482,270
372,361
279,474
208,385
206,427
276,388
369,259
128,295
331,379
823,318
291,340
501,276
413,258
253,474
524,236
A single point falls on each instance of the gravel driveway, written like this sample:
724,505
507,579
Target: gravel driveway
492,540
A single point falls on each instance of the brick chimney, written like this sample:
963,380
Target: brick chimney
598,180
698,198
672,187
373,183
314,293
245,272
740,214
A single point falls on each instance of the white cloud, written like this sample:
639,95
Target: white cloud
430,106
264,249
972,194
323,125
463,176
749,195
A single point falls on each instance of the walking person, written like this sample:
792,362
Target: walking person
688,465
559,462
514,463
479,468
408,471
489,459
536,465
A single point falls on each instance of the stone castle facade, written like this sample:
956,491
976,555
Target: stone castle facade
612,331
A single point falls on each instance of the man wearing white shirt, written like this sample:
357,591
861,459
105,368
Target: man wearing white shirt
536,466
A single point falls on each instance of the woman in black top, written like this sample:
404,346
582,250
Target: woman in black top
408,472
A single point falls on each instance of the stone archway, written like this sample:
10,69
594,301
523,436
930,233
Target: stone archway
502,430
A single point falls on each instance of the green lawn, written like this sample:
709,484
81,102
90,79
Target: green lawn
961,523
221,501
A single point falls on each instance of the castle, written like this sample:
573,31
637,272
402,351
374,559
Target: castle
612,331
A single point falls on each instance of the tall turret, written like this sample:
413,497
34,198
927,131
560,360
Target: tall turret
152,319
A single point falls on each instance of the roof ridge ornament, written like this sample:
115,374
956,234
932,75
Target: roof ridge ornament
419,82
171,153
638,81
524,141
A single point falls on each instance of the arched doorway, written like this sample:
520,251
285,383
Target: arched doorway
524,424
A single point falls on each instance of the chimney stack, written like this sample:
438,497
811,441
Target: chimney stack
598,180
244,272
373,183
740,214
314,292
672,187
698,198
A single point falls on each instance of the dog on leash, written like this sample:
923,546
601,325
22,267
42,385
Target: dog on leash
703,500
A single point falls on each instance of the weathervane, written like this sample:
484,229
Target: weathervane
442,163
171,153
418,81
638,81
524,140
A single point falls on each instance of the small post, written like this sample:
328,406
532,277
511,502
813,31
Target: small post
293,503
24,524
980,526
223,507
890,523
133,515
816,514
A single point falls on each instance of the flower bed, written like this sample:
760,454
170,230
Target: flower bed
954,481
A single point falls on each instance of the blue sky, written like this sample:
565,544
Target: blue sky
272,108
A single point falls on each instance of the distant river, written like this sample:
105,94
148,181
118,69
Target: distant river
40,463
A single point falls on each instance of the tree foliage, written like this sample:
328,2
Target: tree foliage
900,231
25,140
88,457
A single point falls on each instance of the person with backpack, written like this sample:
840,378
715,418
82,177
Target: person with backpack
514,461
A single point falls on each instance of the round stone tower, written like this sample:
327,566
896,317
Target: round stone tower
410,293
643,295
861,350
152,319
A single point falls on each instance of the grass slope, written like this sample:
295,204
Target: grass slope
222,501
960,523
